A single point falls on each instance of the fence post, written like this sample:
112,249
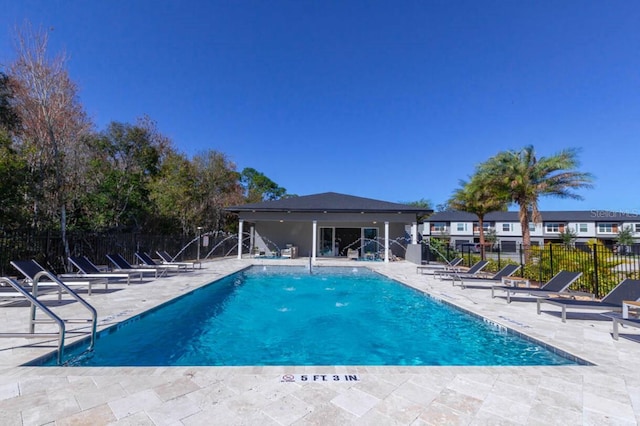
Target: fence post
551,259
522,265
596,286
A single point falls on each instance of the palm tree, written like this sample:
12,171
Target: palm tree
625,240
525,178
478,197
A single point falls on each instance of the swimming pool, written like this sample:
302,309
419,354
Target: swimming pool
281,315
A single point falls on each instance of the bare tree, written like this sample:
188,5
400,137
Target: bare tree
53,125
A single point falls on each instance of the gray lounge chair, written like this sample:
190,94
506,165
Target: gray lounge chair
456,274
618,320
559,284
122,265
166,258
628,289
87,269
505,272
9,294
148,261
432,269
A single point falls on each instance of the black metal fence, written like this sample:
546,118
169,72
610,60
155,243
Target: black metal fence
602,267
47,247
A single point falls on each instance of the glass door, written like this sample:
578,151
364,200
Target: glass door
370,244
327,236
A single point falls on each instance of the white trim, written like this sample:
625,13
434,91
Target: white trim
240,226
414,233
314,241
386,242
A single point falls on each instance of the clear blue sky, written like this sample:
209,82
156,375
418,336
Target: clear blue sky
392,100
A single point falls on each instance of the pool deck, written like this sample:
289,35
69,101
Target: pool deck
606,393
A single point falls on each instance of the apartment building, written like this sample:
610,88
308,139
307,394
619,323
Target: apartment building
462,228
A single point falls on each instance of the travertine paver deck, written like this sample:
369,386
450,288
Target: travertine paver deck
606,393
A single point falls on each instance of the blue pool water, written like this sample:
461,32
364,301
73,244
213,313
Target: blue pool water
285,316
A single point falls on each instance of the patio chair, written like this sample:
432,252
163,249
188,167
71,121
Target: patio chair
148,261
431,269
559,284
87,269
122,265
166,258
455,273
618,320
628,289
31,271
9,294
505,272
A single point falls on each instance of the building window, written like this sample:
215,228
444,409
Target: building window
438,227
461,226
532,226
506,227
636,227
582,228
486,226
607,228
552,228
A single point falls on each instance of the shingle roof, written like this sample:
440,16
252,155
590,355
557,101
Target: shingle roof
329,202
547,216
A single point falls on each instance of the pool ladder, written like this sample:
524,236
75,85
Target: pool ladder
32,297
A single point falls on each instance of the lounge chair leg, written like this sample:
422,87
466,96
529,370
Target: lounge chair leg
615,329
564,314
538,301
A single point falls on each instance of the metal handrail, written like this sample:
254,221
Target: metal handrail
33,298
36,303
91,309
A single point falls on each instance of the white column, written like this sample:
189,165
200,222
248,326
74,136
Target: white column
386,242
240,239
414,233
313,241
252,239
